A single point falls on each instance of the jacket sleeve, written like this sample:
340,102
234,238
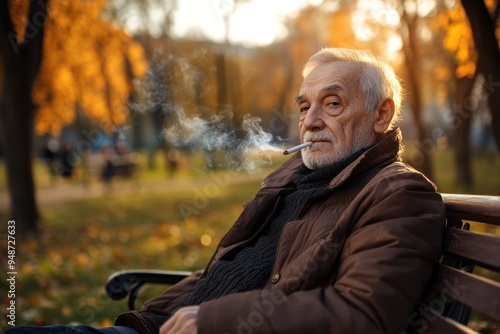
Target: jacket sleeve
383,269
158,309
175,296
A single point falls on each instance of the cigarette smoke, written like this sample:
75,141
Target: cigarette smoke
246,147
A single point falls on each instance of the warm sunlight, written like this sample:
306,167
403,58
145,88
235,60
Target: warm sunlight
371,14
252,23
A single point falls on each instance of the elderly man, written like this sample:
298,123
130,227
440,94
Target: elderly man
342,238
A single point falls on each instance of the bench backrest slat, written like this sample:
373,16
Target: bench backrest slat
434,323
480,208
479,248
472,290
458,286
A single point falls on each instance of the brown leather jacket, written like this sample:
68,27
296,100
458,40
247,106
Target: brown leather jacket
356,259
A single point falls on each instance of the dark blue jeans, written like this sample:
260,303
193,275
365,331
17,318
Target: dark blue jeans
78,329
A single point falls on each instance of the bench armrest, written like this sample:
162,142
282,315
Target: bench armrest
129,282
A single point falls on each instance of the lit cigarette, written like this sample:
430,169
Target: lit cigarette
298,147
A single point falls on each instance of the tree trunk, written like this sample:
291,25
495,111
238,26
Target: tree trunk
18,138
462,125
21,62
421,160
220,68
280,123
483,31
235,85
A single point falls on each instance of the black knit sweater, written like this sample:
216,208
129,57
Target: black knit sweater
250,268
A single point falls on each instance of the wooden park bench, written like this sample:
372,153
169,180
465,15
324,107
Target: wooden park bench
457,288
121,166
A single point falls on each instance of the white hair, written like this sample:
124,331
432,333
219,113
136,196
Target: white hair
378,80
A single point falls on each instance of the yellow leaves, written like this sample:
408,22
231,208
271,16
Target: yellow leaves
441,21
137,60
107,323
466,69
206,240
341,29
118,255
81,261
87,63
154,244
56,257
458,32
458,39
463,54
19,16
174,230
490,3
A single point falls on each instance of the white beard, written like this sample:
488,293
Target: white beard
363,137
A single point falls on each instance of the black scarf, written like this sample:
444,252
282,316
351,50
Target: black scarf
250,268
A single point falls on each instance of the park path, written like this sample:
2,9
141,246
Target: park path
64,192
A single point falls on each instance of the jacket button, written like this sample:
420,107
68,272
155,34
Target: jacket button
275,278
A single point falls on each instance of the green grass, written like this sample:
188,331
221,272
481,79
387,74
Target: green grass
61,275
485,169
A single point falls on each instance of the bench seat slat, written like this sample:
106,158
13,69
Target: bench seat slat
436,323
481,249
474,291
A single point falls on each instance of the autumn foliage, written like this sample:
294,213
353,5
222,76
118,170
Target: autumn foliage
458,38
88,65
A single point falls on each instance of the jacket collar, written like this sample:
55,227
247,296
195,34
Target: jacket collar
387,150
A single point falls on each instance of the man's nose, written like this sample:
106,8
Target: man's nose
313,120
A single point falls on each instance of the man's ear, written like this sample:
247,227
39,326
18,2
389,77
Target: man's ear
385,113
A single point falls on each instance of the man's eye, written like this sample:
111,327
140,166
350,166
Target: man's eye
334,107
335,103
302,109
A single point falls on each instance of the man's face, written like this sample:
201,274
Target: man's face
332,114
